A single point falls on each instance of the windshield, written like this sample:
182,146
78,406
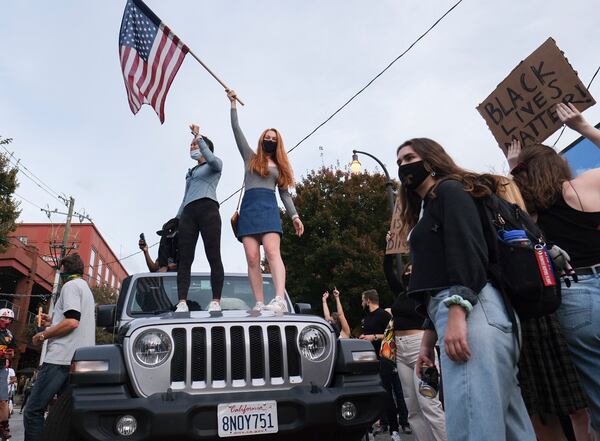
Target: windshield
155,295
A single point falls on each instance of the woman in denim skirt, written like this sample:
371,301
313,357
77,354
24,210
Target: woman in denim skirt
469,321
568,211
259,222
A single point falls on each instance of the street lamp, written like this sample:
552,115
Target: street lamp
355,167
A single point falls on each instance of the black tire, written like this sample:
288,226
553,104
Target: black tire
56,427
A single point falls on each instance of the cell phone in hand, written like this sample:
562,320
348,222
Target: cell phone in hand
142,240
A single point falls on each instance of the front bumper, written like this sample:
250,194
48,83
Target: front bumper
181,416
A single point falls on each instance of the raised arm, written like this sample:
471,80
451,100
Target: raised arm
326,313
340,311
212,160
572,118
240,139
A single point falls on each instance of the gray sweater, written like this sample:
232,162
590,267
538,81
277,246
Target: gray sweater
202,180
253,180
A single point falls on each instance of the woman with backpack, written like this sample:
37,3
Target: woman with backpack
567,209
259,220
548,378
450,278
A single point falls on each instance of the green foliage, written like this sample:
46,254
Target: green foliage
346,218
104,295
8,207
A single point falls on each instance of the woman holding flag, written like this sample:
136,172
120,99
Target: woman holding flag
259,222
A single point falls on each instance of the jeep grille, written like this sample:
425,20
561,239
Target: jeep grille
211,358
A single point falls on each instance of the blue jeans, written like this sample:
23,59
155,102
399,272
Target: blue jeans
482,398
579,316
51,379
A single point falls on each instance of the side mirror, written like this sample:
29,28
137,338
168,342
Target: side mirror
303,308
105,316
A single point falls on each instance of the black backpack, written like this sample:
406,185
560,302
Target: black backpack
524,275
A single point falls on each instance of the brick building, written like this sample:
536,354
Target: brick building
27,271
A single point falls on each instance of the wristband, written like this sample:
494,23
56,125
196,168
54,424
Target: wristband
458,300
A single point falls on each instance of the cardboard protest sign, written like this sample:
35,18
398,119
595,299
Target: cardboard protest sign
522,106
395,245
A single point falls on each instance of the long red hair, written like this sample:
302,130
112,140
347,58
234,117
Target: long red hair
260,164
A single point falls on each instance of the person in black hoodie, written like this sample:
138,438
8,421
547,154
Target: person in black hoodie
479,349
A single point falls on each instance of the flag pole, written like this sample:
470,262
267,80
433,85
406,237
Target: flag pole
212,73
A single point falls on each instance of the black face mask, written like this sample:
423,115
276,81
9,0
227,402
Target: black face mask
269,146
412,175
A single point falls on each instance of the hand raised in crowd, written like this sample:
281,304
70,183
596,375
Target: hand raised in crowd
325,296
232,96
388,236
512,156
571,117
455,337
195,131
143,245
299,227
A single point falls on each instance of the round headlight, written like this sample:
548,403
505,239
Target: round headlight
152,348
312,343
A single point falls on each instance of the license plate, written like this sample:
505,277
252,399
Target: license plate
247,418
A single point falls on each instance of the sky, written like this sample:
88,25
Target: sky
63,101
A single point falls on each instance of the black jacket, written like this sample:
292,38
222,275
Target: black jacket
447,246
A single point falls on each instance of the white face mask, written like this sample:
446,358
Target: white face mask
195,154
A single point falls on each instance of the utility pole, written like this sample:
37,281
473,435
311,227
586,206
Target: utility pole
63,253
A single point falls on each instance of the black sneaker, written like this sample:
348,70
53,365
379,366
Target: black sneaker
406,428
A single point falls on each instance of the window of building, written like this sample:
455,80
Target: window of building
107,275
22,239
91,265
113,281
99,273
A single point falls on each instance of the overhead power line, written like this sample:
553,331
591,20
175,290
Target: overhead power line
17,163
363,88
588,88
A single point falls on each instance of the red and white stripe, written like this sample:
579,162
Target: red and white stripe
148,83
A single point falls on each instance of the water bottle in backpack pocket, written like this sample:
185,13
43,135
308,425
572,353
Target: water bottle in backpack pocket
519,263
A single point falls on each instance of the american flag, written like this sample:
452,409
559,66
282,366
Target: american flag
150,57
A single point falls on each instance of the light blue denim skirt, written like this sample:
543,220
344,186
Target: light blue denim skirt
259,213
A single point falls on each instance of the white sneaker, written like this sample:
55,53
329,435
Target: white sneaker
277,305
182,307
214,306
395,436
259,306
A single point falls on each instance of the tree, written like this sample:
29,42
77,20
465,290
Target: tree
104,295
9,211
346,218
